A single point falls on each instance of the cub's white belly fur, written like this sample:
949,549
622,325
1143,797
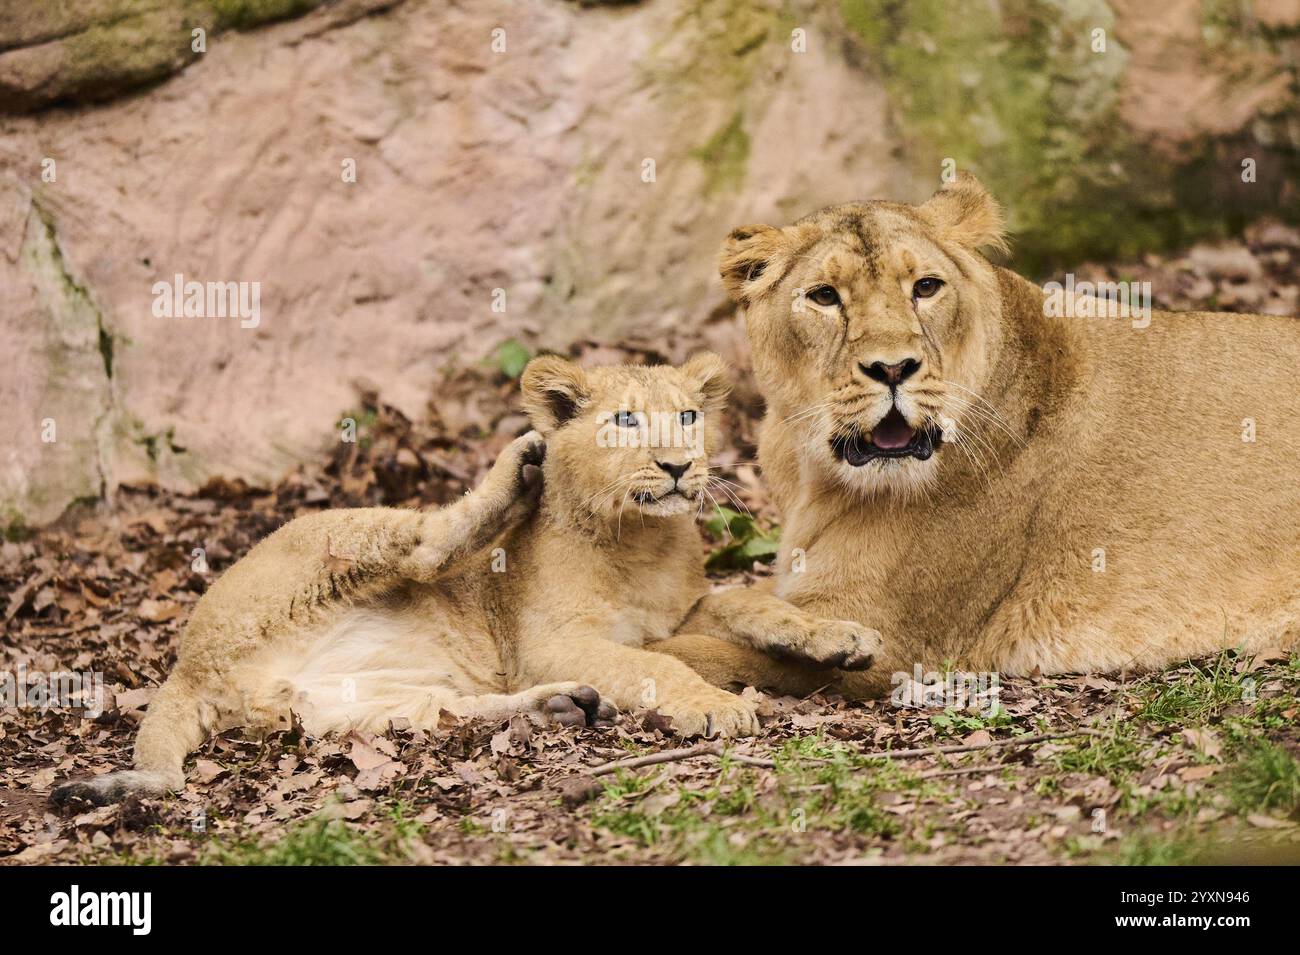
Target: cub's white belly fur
365,669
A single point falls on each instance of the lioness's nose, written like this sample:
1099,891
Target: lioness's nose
675,471
891,375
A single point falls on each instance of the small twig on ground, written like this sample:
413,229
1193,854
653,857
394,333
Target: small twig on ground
972,747
676,755
717,749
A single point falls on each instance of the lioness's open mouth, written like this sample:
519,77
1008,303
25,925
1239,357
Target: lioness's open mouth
893,437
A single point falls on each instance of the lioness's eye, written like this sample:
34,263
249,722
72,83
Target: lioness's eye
689,417
825,295
625,419
926,287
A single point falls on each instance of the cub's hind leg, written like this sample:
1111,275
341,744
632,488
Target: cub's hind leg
177,721
568,703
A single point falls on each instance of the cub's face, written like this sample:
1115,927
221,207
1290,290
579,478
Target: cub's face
627,438
870,326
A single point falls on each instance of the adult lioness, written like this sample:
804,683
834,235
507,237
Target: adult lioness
986,484
491,606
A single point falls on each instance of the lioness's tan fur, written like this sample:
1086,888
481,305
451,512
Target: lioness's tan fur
1095,506
491,606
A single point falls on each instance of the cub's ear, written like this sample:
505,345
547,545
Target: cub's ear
965,213
709,375
747,259
554,390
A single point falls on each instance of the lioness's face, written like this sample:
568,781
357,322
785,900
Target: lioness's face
627,438
870,332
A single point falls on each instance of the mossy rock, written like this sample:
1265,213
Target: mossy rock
242,14
93,50
1020,94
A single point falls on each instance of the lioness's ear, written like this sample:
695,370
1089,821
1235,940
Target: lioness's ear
554,390
746,261
964,212
709,375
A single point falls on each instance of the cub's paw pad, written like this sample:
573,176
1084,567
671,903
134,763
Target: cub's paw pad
528,453
530,480
580,707
588,700
534,452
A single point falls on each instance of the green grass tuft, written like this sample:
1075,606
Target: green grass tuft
322,841
1267,778
1197,694
1159,851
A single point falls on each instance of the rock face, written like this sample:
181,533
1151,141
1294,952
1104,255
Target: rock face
404,185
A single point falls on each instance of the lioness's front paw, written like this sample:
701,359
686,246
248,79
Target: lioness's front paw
842,644
846,644
712,713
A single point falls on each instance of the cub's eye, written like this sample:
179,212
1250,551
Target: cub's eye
825,295
689,418
926,287
625,419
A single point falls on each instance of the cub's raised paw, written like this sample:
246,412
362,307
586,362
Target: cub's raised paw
519,466
714,713
841,644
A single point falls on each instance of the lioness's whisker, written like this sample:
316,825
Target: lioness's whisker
988,407
979,413
976,460
973,434
967,437
811,409
984,414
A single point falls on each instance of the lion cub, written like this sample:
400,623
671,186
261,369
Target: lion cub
577,551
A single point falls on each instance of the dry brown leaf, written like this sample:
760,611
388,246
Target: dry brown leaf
158,611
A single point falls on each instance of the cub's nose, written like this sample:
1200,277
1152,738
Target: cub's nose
674,471
891,375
